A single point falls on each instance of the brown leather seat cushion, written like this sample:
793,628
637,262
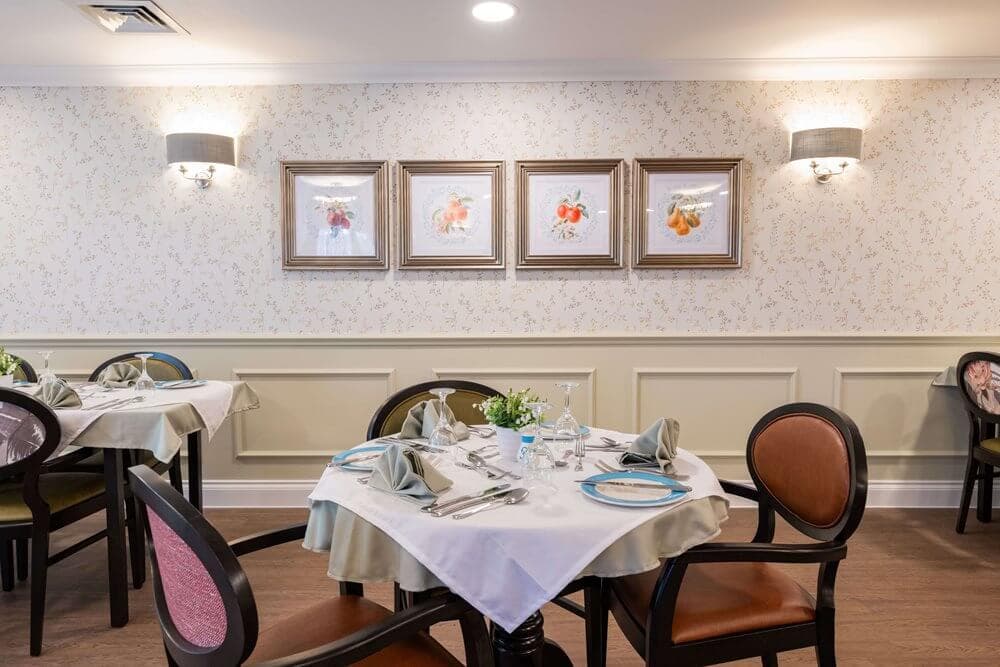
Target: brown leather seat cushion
719,599
338,617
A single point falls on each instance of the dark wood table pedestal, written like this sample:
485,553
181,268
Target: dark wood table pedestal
527,646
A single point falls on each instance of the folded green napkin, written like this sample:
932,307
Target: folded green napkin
57,395
402,471
119,375
422,418
657,445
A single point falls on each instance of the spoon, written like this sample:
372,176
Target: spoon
512,498
611,442
480,462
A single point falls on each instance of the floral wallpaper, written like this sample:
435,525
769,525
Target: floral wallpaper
99,237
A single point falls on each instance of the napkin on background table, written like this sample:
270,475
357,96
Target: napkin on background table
119,375
402,471
657,445
58,395
422,418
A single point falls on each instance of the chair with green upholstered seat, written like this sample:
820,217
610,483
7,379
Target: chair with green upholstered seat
389,417
979,383
33,503
24,371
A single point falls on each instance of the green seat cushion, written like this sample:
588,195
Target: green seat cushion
60,490
462,403
993,445
157,369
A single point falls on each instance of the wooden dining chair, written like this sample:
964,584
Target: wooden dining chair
979,383
390,415
208,615
721,601
32,503
24,371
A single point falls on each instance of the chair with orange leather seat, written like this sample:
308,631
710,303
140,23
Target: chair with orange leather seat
209,618
727,601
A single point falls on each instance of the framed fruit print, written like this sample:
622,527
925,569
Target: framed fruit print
334,215
569,214
451,214
686,213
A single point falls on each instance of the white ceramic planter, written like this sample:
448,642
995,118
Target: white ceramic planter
6,380
509,442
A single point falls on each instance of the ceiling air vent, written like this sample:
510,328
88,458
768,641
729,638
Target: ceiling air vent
132,16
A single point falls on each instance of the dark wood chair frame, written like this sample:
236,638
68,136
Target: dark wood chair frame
982,463
385,410
221,561
29,372
830,549
43,521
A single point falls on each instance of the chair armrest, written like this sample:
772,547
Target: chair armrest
65,461
373,638
743,552
268,538
741,490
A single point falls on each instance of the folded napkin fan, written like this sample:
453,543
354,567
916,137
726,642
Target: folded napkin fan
422,418
402,471
119,375
657,445
58,395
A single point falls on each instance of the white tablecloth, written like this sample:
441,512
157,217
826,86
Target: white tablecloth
509,562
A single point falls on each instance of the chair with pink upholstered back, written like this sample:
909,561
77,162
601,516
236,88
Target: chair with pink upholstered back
979,383
723,601
208,615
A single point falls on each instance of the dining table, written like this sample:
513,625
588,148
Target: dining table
510,561
119,421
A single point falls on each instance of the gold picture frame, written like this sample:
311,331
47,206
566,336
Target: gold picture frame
573,218
459,211
672,198
337,209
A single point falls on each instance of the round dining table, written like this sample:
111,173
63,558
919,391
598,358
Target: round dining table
510,561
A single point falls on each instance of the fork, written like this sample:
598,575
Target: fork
486,471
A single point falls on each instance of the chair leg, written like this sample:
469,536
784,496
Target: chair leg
769,660
22,558
826,652
7,564
596,622
39,573
971,469
984,508
136,542
176,478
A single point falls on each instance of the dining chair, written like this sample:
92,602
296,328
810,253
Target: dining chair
979,383
33,503
208,616
723,601
390,415
24,370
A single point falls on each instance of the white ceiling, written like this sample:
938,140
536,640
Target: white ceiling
247,41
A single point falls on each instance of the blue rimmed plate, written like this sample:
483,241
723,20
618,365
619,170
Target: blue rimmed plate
549,432
623,496
365,466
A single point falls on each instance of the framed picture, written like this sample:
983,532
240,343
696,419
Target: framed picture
686,213
335,215
569,214
451,215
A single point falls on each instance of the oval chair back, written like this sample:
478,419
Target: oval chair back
979,382
391,414
160,366
29,433
203,599
24,370
808,462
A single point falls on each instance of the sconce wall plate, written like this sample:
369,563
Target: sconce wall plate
195,147
838,144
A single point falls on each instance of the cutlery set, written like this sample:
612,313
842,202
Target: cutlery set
117,403
465,506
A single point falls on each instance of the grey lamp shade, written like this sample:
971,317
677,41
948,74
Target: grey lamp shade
843,142
196,147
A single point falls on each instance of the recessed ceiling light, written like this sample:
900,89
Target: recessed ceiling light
494,12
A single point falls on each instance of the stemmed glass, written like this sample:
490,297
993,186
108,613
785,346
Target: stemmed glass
443,434
568,426
144,383
46,376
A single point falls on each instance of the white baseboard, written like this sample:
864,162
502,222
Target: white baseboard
222,493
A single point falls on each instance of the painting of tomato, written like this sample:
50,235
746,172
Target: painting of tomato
568,214
453,216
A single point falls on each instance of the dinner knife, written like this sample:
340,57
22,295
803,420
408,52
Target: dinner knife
638,485
461,499
465,504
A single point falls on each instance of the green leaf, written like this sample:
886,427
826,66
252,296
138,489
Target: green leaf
576,195
350,215
585,214
670,209
467,200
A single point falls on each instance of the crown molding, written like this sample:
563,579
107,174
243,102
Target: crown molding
810,69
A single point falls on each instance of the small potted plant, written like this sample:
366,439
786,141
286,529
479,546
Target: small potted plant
509,414
8,364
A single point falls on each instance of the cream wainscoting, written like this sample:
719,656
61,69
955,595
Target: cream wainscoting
317,394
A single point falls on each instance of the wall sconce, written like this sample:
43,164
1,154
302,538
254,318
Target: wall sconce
829,149
203,152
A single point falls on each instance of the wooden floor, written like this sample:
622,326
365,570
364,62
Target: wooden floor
912,592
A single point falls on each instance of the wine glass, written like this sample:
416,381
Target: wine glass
538,409
46,375
568,426
144,383
443,434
